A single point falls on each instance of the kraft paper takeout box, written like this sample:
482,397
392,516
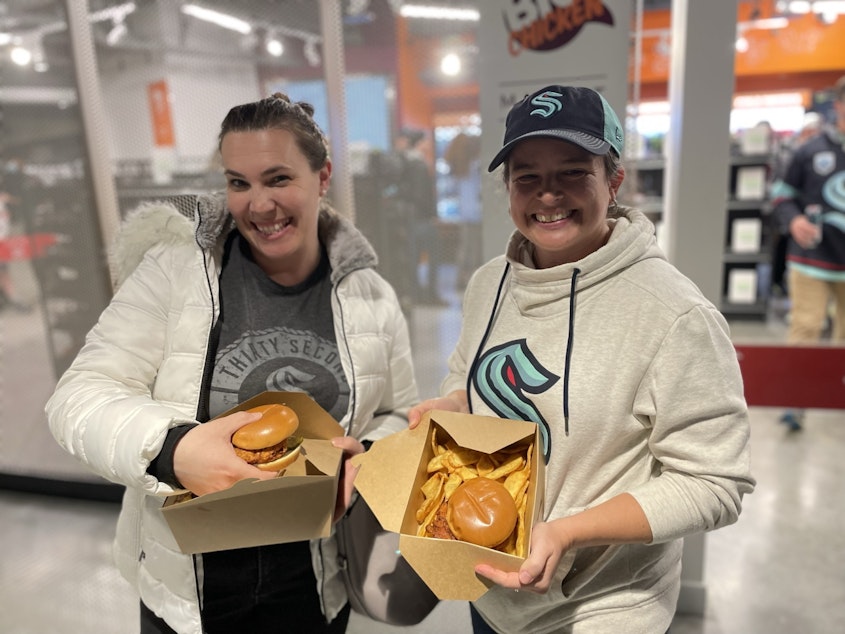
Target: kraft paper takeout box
296,506
392,472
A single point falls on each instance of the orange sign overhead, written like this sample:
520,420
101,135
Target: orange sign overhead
549,28
159,99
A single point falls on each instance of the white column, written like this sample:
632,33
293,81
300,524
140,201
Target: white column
695,192
93,119
331,25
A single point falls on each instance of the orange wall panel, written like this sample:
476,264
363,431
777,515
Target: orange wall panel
807,55
805,51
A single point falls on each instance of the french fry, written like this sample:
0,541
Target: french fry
462,457
467,473
485,465
515,482
521,522
436,463
510,465
428,518
453,482
432,490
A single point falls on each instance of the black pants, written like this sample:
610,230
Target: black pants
264,589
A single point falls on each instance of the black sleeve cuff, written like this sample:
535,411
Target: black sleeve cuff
161,466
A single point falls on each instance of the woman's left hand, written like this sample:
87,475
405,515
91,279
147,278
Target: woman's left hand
536,572
351,447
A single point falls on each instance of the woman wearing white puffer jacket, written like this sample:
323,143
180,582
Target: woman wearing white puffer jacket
265,288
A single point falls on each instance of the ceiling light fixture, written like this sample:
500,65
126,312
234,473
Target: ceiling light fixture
274,46
312,54
451,64
800,7
216,17
767,24
116,13
439,13
117,33
20,55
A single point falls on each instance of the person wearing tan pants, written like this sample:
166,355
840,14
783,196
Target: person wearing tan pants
809,203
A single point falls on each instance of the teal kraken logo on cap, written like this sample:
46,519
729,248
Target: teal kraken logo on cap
547,104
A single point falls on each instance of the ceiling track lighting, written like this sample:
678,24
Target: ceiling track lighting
272,42
439,12
116,13
451,64
218,18
312,54
274,46
819,7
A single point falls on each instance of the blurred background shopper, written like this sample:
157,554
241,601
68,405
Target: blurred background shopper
417,190
809,203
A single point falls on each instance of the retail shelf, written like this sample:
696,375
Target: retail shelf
730,257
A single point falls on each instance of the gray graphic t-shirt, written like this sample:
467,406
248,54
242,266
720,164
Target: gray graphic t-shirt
275,337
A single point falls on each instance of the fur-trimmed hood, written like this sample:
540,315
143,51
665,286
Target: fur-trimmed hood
208,224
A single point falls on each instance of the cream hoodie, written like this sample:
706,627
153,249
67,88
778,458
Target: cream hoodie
644,369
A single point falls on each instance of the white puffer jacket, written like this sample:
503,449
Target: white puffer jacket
141,371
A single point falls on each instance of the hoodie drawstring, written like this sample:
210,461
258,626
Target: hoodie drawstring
569,340
569,343
487,330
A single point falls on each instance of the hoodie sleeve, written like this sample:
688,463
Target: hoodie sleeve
102,411
700,435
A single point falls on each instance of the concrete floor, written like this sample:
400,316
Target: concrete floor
779,570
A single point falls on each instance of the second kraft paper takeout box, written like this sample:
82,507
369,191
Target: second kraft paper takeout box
392,472
296,506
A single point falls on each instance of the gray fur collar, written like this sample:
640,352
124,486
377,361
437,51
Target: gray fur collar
160,222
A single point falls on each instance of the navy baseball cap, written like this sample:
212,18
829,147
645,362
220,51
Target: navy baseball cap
575,114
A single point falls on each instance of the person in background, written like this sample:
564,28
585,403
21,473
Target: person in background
809,204
417,189
10,202
265,288
6,287
463,158
585,328
811,126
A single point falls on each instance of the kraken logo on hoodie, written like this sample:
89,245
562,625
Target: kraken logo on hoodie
280,359
503,376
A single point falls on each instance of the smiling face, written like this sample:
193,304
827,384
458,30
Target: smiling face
274,196
559,195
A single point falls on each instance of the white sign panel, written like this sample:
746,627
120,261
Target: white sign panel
528,44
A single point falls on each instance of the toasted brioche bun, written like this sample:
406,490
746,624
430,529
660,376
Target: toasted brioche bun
481,511
267,443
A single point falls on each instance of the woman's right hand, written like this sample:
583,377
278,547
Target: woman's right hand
453,402
204,460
